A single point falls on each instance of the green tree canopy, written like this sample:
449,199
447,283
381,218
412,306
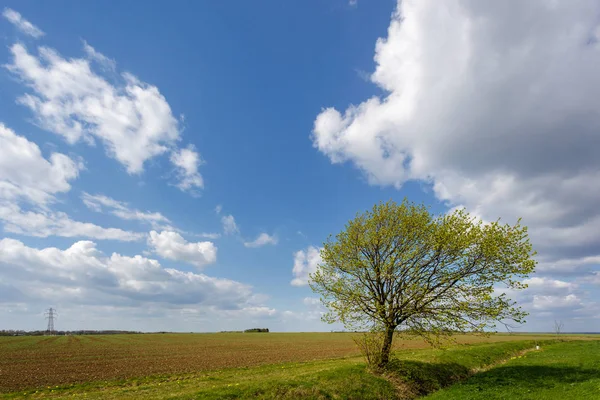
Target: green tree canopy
400,266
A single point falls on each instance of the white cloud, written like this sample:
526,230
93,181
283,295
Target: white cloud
229,225
92,54
131,118
209,235
134,121
121,209
218,209
312,302
187,162
43,223
549,286
26,175
22,24
547,303
314,311
305,263
250,312
82,274
262,240
547,299
101,203
493,103
353,3
172,246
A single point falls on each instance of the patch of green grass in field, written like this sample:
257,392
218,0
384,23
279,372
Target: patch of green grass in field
568,370
414,372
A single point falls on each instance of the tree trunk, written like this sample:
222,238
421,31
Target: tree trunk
387,346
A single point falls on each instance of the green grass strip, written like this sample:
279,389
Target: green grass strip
564,371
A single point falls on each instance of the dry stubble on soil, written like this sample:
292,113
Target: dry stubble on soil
30,362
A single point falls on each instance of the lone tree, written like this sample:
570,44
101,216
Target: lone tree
558,327
399,266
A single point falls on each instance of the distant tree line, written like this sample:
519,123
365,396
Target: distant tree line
11,332
15,332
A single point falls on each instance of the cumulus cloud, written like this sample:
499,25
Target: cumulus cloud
546,303
547,294
83,274
229,225
27,178
171,245
187,162
547,299
43,223
549,286
26,175
131,118
22,24
262,240
305,263
495,105
101,203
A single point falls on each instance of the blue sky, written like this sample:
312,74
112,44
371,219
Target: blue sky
194,156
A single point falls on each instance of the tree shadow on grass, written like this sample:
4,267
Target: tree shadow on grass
413,378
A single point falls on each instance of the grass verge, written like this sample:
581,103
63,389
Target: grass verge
420,373
568,370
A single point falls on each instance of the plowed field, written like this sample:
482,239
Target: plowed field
31,362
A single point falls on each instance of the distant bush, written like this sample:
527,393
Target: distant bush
253,330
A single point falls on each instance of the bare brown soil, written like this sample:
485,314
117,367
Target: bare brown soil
31,362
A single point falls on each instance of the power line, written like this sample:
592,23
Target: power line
50,315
